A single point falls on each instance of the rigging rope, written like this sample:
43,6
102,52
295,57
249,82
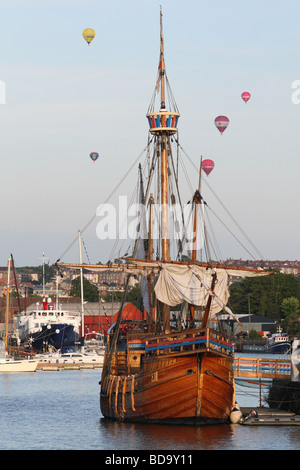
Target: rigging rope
105,202
227,211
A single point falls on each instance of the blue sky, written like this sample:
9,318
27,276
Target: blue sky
65,99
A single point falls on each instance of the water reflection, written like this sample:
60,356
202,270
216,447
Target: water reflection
123,436
114,435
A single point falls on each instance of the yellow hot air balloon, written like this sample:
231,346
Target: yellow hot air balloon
88,35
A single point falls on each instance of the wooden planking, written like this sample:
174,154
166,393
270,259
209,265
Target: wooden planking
217,389
170,389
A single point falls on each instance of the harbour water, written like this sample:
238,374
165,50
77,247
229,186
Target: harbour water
59,410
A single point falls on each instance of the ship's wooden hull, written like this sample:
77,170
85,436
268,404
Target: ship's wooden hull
194,388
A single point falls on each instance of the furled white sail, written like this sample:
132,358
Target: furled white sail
192,284
180,283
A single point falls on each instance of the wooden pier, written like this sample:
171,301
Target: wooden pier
262,368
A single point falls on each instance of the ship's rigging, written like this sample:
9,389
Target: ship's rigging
166,369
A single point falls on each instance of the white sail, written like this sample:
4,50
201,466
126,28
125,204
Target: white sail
192,283
180,283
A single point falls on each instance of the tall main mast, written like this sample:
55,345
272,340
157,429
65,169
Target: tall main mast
164,159
162,65
163,124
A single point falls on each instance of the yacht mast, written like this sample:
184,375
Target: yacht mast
81,290
7,304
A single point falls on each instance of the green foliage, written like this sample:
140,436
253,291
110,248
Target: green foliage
115,296
26,271
284,395
290,308
90,292
254,335
134,296
290,314
264,295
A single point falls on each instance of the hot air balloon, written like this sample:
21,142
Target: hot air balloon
88,35
221,123
208,166
94,156
246,96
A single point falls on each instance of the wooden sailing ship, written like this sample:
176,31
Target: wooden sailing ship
166,370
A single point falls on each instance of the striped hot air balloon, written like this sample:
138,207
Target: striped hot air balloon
221,123
208,166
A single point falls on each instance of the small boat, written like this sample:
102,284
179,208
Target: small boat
278,343
75,357
22,365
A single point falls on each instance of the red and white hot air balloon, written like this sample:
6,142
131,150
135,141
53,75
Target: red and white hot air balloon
208,166
221,123
246,96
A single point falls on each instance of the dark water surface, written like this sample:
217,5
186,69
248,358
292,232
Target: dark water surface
60,411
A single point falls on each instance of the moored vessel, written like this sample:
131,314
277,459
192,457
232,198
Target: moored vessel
175,366
278,343
23,365
71,357
8,363
46,326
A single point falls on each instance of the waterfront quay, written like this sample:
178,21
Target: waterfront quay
66,366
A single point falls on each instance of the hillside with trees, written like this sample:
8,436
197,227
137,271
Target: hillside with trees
275,296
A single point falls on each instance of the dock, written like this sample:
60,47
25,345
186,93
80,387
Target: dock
269,417
48,366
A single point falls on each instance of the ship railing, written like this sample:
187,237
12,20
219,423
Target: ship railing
189,341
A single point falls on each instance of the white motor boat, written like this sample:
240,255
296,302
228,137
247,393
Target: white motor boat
21,365
75,358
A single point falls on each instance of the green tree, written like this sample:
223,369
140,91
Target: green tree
26,271
134,296
90,291
254,335
266,294
290,308
115,296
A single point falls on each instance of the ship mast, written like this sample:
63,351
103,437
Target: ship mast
164,180
163,124
164,159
